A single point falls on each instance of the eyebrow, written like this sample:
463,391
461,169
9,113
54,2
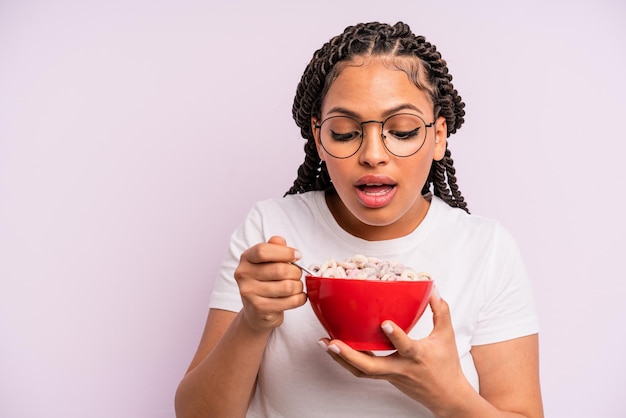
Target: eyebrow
389,112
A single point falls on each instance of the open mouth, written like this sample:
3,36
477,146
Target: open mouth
375,192
376,189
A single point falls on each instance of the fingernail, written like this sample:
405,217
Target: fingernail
387,328
436,292
297,255
334,349
323,345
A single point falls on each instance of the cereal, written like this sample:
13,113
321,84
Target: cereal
369,268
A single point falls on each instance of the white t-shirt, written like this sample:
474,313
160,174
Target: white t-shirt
474,261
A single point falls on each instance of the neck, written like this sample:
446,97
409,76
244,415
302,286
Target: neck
403,226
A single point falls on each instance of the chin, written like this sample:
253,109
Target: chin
377,221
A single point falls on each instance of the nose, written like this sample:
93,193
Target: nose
373,151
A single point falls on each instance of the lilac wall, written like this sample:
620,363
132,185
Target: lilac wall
135,135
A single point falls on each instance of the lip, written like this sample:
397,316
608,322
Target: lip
375,191
374,179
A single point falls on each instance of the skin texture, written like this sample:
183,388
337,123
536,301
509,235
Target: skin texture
221,378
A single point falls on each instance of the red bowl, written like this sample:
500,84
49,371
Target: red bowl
352,310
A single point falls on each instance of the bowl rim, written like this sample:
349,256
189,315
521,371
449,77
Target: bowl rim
350,279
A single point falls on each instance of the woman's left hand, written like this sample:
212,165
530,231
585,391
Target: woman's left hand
427,370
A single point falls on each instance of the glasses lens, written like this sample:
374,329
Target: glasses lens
404,134
341,136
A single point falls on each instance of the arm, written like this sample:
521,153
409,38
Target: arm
509,375
429,371
221,379
508,372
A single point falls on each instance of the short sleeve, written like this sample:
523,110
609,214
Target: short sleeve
507,310
226,291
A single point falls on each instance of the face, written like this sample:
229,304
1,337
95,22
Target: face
379,194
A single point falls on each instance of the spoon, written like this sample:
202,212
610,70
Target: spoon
304,269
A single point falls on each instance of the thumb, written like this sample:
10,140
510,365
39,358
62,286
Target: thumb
441,311
278,240
290,254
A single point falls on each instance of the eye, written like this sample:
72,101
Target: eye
344,137
405,135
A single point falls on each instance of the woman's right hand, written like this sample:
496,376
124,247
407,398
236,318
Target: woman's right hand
268,283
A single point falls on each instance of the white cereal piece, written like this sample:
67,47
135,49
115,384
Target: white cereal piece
408,275
359,260
361,274
369,268
327,273
348,265
329,264
336,272
352,273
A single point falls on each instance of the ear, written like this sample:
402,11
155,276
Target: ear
441,138
316,135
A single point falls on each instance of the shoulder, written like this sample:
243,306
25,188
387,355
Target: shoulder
283,210
277,206
456,217
468,229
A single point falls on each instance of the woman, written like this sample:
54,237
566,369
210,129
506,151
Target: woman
376,105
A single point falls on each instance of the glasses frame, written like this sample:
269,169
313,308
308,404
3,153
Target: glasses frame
382,135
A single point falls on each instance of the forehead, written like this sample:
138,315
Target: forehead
374,84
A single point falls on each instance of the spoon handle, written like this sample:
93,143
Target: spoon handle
304,269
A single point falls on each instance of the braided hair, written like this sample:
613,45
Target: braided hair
380,39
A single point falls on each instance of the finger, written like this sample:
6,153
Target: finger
336,347
250,272
400,340
278,240
274,250
276,305
442,320
272,288
344,354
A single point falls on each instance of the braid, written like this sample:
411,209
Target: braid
311,168
442,174
376,38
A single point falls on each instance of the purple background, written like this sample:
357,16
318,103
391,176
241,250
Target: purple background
135,135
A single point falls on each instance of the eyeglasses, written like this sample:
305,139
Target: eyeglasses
403,134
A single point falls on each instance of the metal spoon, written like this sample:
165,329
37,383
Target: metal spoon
304,269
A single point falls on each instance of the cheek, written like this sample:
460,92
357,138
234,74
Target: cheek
334,170
339,173
417,171
320,150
